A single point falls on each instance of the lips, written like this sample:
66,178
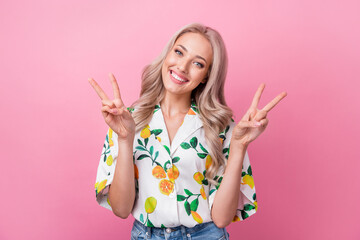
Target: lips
177,77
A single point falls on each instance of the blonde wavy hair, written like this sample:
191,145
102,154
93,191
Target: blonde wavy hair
209,97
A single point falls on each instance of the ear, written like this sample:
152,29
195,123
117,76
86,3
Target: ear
204,80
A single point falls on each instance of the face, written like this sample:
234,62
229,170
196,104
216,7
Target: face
187,64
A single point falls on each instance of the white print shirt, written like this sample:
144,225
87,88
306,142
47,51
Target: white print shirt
171,188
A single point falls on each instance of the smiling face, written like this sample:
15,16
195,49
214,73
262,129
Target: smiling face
187,63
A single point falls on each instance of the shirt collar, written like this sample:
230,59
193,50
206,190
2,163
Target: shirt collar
191,123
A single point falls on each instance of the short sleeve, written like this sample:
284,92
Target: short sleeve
106,169
247,204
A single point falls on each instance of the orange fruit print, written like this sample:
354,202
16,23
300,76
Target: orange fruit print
166,187
158,172
173,173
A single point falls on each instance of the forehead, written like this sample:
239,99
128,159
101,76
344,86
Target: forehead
196,44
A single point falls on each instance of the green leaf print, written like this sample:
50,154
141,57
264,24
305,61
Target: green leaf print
146,141
149,223
248,207
243,174
211,191
166,164
244,215
225,150
180,198
254,196
175,159
140,142
141,148
156,155
249,170
194,142
205,181
142,218
163,226
185,145
202,155
156,131
157,107
151,150
187,208
194,204
142,156
167,149
188,192
203,149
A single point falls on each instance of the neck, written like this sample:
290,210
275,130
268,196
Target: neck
172,105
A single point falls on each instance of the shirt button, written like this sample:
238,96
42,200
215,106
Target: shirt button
188,235
168,230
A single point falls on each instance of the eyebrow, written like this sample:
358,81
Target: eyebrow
195,56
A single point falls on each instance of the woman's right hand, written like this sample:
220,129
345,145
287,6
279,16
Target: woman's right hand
115,114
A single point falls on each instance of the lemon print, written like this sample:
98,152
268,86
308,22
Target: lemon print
158,138
108,201
198,177
158,172
202,192
247,179
96,185
145,133
173,173
196,217
166,187
109,160
111,143
221,140
236,219
150,204
256,205
100,186
208,162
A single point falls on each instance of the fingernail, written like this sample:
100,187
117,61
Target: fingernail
257,124
114,110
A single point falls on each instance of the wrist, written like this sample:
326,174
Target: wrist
238,145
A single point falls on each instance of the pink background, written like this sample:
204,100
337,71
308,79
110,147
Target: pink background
305,164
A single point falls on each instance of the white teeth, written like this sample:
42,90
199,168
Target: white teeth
177,77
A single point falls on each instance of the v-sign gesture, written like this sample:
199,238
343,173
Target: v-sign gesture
115,114
254,121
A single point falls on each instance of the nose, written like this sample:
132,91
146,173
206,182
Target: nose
183,65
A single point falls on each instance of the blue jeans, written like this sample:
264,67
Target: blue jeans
208,231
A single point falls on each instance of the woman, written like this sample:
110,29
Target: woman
165,156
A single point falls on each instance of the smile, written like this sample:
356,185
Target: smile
177,77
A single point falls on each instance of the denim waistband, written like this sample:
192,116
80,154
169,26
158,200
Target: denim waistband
182,228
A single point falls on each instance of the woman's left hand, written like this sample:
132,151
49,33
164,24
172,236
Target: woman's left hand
254,121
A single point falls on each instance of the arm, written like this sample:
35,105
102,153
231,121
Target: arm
227,196
247,130
122,189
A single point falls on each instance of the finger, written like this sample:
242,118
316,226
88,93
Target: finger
248,124
115,87
260,115
108,103
247,115
98,89
275,101
257,96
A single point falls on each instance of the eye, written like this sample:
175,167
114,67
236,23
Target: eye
200,65
178,52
